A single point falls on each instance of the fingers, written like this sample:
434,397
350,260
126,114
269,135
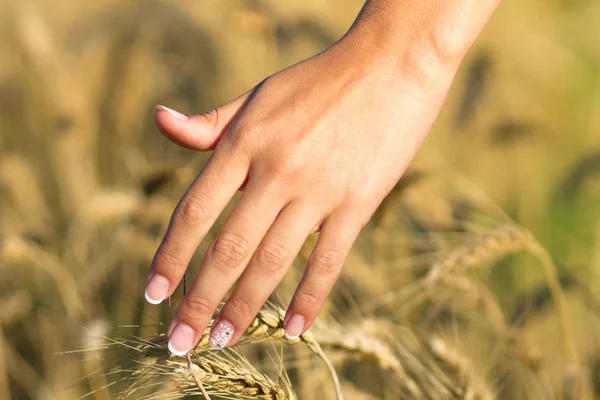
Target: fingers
198,132
267,268
324,266
193,217
223,263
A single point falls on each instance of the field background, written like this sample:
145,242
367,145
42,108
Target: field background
87,185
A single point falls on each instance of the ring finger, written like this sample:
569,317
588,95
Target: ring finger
267,268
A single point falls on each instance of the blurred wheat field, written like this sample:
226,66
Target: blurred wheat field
477,278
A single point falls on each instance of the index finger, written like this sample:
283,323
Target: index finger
193,217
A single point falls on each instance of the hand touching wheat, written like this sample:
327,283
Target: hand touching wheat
316,147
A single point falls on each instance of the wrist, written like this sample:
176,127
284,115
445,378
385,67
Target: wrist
428,39
368,52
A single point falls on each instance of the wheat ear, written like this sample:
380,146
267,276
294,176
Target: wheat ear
506,240
451,360
268,326
358,341
235,379
212,372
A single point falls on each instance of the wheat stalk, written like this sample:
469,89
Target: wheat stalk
16,249
484,249
477,295
422,367
498,243
4,377
470,386
358,340
14,307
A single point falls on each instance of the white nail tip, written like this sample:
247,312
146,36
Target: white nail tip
174,113
289,337
176,352
151,300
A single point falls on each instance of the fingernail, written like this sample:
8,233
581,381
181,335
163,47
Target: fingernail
181,339
157,289
221,334
174,113
294,327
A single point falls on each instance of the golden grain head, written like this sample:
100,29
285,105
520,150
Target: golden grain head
87,187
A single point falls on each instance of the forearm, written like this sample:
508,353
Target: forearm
438,31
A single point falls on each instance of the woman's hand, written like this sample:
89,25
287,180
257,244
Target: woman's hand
316,147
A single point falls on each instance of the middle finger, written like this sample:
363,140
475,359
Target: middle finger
267,268
223,263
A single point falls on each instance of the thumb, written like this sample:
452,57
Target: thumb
198,132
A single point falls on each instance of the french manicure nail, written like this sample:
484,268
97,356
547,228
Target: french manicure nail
174,113
157,289
294,327
181,339
221,334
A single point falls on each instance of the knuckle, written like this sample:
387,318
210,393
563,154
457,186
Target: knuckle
198,306
228,250
360,213
211,117
278,163
242,306
240,150
307,300
168,261
362,216
194,209
326,263
285,163
359,199
272,258
363,220
241,138
250,131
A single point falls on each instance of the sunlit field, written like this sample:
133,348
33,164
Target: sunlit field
477,278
